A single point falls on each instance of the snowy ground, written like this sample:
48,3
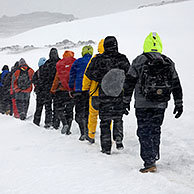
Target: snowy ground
38,161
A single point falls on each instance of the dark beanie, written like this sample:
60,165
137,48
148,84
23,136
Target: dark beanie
110,43
5,67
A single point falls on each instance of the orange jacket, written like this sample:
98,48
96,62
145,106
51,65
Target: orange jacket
57,86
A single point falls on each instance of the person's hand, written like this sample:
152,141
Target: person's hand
71,94
178,110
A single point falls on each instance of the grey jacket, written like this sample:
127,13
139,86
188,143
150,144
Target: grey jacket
133,83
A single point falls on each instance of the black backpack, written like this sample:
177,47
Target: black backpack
23,81
156,78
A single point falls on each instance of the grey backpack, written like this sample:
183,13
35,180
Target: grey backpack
113,81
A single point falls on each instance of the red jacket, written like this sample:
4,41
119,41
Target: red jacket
63,68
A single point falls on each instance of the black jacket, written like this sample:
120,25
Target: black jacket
133,83
47,72
109,107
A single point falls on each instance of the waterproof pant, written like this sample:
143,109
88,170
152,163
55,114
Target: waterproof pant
92,117
7,103
149,122
55,119
81,101
40,102
14,107
64,107
105,137
22,103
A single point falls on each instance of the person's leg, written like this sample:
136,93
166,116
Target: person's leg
14,106
69,115
48,113
26,103
105,136
92,120
118,133
19,103
156,122
149,134
55,119
38,112
80,117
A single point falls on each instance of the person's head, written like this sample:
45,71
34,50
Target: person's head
22,61
152,43
110,44
87,50
68,54
16,65
41,61
5,67
101,46
53,55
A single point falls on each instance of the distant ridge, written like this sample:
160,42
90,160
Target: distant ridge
162,3
11,26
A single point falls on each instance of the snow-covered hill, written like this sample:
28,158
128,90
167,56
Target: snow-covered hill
11,26
35,160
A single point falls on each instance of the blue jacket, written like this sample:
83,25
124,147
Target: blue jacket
4,72
77,72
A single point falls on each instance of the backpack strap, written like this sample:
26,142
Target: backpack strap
95,89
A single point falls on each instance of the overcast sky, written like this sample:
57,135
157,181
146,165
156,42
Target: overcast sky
79,8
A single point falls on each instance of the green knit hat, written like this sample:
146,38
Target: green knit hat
87,50
152,43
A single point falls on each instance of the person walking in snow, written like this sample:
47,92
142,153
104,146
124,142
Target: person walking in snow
93,87
47,75
40,98
153,77
4,93
7,103
22,82
111,105
60,88
81,98
12,92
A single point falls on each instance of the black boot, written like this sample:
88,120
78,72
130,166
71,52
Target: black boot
64,129
91,140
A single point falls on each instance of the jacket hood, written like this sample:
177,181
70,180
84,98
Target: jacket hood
101,46
53,55
110,44
16,65
41,61
87,50
152,43
5,67
22,62
68,54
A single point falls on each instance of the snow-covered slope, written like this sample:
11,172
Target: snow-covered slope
34,160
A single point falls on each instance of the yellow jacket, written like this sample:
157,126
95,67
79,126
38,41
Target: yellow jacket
88,84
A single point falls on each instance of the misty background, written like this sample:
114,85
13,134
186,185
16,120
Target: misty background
18,16
79,8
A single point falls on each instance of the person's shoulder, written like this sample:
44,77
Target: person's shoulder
122,56
168,59
140,59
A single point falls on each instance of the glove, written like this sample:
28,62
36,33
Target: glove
126,108
178,110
